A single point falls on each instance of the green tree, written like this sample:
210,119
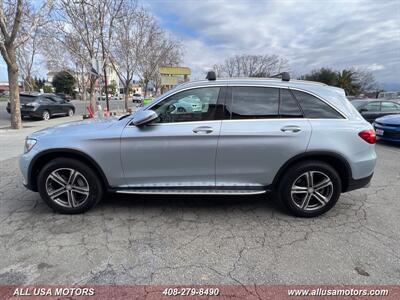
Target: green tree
64,82
47,89
347,80
324,75
112,88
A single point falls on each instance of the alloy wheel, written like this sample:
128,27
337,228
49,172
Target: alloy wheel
46,115
67,187
312,190
70,112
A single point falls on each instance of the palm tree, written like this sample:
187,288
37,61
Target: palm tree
346,80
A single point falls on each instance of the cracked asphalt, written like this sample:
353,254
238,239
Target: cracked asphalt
202,240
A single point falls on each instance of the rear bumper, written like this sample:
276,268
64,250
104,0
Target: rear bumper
355,184
27,113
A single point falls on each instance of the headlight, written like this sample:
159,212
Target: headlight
29,143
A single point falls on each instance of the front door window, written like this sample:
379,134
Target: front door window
192,105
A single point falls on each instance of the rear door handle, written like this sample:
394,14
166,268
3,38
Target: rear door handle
291,128
203,129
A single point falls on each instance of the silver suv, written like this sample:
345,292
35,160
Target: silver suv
302,140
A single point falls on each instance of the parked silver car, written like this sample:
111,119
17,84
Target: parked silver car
302,140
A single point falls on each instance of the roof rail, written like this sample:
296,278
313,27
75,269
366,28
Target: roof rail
284,75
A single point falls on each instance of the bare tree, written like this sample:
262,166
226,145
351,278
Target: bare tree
108,13
84,28
76,28
125,49
156,49
17,22
251,66
364,79
26,59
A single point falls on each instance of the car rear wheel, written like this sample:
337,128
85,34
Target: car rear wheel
309,189
69,186
70,112
46,115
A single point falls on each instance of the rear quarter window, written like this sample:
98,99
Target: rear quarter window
314,108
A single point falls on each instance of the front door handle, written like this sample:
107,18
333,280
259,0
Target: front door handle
203,129
291,128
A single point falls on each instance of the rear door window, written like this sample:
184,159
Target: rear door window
289,107
314,108
373,106
389,106
253,103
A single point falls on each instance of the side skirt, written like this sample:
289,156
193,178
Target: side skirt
192,191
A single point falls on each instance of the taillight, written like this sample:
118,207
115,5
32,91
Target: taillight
368,136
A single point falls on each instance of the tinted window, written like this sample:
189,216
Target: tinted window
56,99
27,99
192,105
358,103
253,103
373,106
387,106
315,108
289,107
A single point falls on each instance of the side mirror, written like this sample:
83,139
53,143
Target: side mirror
144,117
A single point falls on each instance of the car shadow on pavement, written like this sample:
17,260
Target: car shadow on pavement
265,201
390,144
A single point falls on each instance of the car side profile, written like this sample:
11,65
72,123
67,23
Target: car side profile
302,141
376,108
43,106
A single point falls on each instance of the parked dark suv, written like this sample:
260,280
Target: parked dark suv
43,106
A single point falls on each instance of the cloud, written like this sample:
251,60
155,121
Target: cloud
311,34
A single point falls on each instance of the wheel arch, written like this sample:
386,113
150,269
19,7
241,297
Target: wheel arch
336,161
40,160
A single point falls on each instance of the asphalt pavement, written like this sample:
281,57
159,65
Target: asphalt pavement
199,240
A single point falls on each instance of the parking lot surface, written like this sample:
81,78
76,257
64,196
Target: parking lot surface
202,240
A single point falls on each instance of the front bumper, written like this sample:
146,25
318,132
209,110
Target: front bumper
24,163
27,113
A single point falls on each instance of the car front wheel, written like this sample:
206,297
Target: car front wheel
69,186
70,112
309,189
46,115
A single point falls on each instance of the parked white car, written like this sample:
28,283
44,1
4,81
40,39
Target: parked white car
138,98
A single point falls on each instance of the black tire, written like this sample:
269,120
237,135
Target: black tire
321,171
70,112
86,176
46,115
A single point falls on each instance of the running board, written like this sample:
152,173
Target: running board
190,192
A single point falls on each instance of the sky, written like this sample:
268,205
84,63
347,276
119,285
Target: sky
310,33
